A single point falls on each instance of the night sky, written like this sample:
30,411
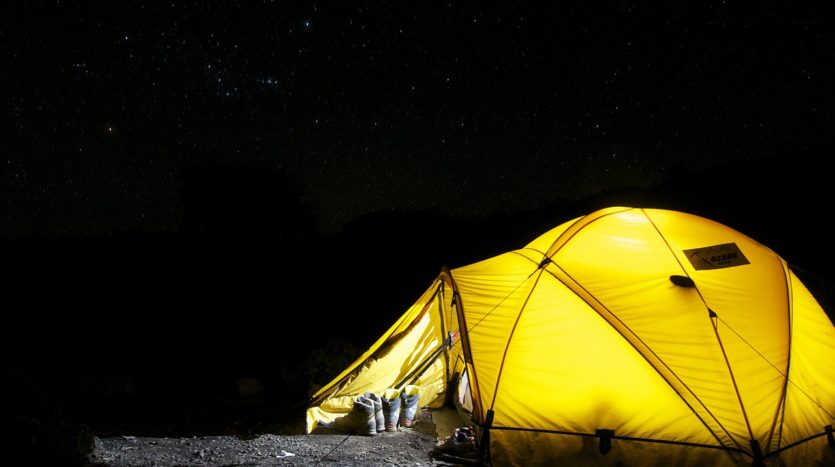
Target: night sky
386,106
196,194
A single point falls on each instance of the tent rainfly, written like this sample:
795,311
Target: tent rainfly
628,336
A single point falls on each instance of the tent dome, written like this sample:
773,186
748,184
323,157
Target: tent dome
630,335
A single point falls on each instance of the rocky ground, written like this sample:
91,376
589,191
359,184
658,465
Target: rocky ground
406,447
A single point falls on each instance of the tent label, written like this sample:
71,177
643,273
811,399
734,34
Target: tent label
726,255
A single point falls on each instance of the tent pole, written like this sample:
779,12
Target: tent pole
483,455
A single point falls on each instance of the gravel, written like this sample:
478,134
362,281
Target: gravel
405,447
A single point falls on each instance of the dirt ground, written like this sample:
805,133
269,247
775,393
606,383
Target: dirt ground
406,447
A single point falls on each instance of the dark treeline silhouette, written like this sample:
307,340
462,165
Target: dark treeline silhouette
223,326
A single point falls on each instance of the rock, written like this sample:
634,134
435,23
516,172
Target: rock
405,447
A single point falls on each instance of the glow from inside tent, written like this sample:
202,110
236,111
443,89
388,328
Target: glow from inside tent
633,217
567,367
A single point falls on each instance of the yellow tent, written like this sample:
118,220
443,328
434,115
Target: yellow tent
624,337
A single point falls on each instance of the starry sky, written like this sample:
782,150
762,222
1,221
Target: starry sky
145,145
380,106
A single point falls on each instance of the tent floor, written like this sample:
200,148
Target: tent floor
446,420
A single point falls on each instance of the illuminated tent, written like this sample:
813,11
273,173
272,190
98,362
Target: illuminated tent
623,337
